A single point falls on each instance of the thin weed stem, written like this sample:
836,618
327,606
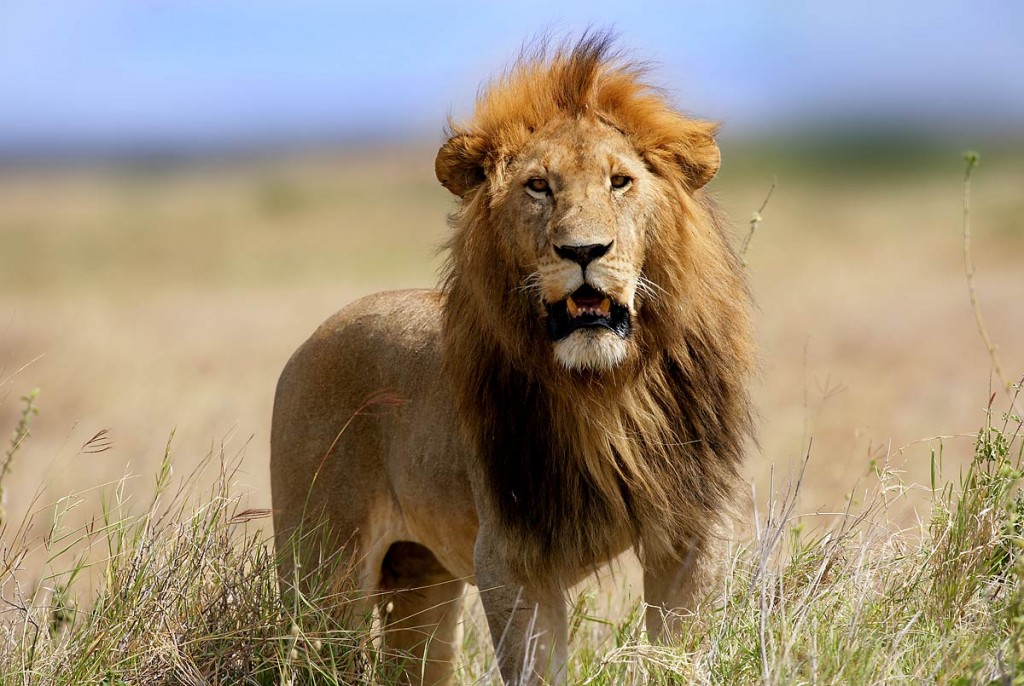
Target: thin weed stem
972,159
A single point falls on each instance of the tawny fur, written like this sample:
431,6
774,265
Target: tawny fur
505,464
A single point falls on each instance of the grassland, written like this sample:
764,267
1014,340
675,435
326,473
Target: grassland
189,595
145,301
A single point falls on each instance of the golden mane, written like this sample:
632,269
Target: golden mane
576,461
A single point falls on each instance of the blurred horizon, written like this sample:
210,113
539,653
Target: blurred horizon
191,79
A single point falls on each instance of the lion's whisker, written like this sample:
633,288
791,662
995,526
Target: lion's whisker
648,287
530,283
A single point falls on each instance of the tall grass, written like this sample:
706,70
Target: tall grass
861,601
186,592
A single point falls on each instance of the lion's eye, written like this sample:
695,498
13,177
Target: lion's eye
620,181
538,185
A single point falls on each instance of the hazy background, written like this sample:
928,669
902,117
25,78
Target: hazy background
200,77
188,188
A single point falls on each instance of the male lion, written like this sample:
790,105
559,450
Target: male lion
577,386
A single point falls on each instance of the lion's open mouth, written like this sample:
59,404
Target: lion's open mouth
585,308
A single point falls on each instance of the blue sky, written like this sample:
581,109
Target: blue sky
121,73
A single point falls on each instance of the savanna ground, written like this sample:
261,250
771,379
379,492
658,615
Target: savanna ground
145,301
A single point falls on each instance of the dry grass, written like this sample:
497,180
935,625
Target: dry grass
188,595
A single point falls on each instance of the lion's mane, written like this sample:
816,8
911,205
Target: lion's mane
573,462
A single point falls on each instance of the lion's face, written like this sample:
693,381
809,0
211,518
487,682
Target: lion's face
579,201
578,187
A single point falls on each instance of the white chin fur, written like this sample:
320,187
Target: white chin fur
595,349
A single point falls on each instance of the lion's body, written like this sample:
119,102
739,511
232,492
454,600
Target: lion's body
377,474
533,442
384,471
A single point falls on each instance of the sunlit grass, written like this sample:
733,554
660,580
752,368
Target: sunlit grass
187,592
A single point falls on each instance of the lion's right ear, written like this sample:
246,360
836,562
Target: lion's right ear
696,152
460,163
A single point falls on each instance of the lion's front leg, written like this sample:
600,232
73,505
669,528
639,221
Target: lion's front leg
528,624
673,589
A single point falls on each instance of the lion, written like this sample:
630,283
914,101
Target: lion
578,385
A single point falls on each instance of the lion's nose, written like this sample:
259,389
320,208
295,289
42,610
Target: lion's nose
583,254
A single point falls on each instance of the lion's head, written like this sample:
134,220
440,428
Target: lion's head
597,326
577,177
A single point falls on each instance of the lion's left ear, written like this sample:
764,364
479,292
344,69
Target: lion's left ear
684,147
697,153
460,163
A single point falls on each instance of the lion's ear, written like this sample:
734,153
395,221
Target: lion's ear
696,153
460,163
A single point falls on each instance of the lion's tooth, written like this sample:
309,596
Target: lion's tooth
606,305
574,310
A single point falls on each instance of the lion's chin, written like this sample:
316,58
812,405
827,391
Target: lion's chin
595,349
